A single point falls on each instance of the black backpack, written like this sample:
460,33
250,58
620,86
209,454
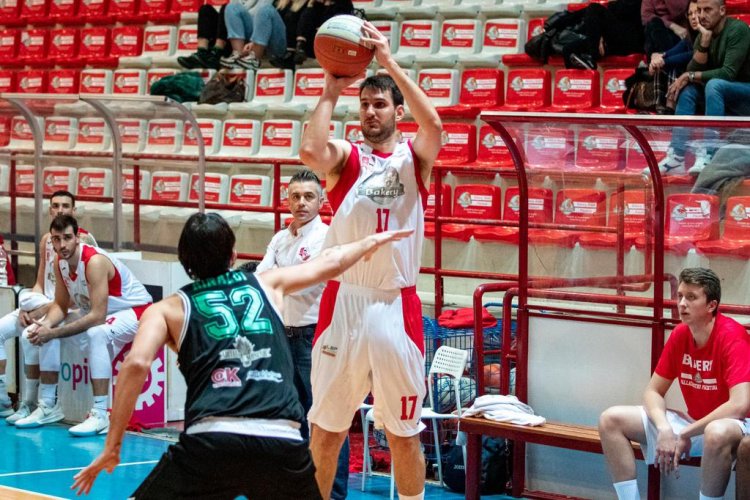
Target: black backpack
497,459
223,87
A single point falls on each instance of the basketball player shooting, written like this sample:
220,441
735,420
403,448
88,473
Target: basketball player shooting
369,336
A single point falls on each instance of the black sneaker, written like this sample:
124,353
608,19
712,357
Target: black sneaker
285,62
194,60
212,58
582,61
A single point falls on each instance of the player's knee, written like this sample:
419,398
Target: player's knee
30,351
49,356
720,434
611,420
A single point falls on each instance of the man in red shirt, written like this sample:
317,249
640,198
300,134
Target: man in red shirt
708,353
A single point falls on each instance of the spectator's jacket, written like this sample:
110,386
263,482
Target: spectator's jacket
727,55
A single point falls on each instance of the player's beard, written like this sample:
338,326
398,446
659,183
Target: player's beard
386,131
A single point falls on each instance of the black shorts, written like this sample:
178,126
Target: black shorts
216,465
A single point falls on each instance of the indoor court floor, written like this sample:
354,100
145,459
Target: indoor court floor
40,463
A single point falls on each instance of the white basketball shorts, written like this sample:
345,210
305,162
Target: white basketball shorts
368,340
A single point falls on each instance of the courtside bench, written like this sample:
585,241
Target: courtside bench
557,434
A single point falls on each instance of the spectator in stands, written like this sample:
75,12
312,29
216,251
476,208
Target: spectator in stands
675,60
256,28
707,352
664,23
717,81
212,40
314,16
600,30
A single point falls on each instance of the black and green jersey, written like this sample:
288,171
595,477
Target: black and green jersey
234,353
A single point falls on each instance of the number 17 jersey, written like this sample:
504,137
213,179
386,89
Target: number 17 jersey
379,192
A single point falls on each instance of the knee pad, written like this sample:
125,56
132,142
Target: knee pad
49,356
99,352
30,351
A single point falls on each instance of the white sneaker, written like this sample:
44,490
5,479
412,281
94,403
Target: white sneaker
97,422
41,416
702,158
671,164
6,408
23,411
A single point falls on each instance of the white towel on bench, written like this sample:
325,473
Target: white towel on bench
504,409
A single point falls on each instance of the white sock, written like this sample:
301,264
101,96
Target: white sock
48,394
706,497
420,496
32,391
627,490
100,402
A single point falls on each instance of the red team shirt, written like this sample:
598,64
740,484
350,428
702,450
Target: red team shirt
706,374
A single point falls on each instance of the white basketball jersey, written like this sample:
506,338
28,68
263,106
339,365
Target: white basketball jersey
49,262
380,192
125,291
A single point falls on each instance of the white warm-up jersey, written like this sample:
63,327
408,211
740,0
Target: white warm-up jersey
49,262
125,291
380,192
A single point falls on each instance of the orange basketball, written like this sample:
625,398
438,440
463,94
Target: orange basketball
492,376
338,47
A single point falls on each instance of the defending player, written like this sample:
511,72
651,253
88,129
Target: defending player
369,336
242,414
110,299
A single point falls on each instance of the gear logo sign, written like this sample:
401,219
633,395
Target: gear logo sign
155,381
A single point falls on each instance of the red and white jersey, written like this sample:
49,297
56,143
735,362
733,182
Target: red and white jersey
380,192
125,291
49,261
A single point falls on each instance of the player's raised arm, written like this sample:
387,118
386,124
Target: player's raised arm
329,264
316,150
427,142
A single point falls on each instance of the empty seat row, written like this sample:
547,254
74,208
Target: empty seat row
97,12
692,220
95,46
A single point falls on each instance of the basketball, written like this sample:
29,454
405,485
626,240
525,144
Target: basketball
338,48
445,396
492,378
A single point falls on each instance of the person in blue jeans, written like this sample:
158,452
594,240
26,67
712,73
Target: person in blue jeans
255,29
298,243
716,83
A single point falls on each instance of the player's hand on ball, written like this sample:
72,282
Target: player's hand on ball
339,83
372,38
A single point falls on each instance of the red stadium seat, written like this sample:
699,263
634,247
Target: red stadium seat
459,144
690,218
160,11
440,85
481,89
634,217
122,9
94,12
549,148
64,81
407,130
580,207
613,86
9,44
4,130
737,6
34,10
60,133
735,242
64,47
575,90
95,44
7,80
62,12
32,81
96,81
126,41
33,48
353,132
527,90
59,179
540,211
659,141
9,14
492,151
129,81
473,201
600,149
